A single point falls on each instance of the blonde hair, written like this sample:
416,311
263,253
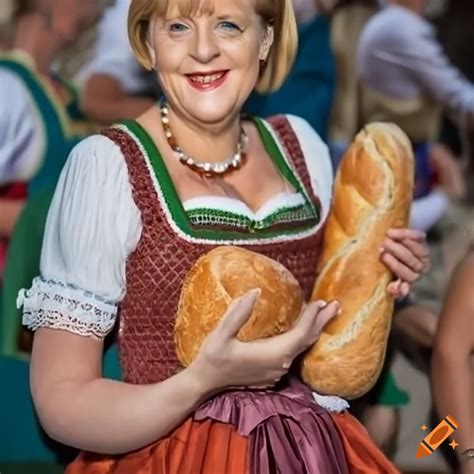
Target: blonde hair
278,14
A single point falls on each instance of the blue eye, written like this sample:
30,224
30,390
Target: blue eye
228,25
178,27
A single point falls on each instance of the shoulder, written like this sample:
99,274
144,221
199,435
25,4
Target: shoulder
464,274
394,27
307,134
458,308
22,131
312,145
96,158
14,94
316,155
95,146
300,127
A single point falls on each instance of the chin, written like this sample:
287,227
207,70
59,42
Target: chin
212,110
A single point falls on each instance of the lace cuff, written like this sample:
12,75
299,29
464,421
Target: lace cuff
56,305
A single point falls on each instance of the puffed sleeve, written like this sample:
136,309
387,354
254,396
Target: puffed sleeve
22,135
93,225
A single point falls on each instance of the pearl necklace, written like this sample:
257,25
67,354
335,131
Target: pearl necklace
205,168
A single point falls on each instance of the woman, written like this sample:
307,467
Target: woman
453,381
37,131
133,221
39,122
38,110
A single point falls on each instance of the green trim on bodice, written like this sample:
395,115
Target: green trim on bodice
217,224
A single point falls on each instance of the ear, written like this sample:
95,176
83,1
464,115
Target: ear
266,43
149,46
151,55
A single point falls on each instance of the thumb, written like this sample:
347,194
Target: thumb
315,317
325,316
306,319
238,314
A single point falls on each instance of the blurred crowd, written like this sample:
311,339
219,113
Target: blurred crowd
66,70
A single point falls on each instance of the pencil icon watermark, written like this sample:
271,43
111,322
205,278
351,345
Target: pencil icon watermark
437,437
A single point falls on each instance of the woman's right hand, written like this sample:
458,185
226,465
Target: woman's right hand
225,362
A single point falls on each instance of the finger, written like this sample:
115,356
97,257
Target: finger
308,315
418,248
285,347
401,234
405,289
238,314
394,288
403,254
304,335
400,270
325,316
422,251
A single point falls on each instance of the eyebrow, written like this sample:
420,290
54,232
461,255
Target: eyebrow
228,17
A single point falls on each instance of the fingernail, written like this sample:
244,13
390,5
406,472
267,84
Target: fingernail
321,304
381,250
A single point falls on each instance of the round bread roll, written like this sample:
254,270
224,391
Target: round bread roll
223,275
372,193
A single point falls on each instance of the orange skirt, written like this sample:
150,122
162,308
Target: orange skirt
209,447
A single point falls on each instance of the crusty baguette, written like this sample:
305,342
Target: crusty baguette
223,275
372,193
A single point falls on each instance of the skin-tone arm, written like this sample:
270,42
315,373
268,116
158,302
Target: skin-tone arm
78,407
452,373
104,101
9,211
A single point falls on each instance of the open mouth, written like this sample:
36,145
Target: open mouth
207,81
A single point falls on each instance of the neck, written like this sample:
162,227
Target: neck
35,37
213,144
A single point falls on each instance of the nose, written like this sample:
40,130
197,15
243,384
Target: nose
204,45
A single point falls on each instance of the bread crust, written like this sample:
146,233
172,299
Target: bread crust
223,275
372,193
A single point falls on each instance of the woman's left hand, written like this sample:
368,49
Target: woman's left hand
405,252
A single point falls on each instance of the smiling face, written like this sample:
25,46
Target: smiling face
209,61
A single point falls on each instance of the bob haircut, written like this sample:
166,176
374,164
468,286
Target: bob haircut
278,14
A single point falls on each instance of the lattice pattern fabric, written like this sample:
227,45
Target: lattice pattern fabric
162,259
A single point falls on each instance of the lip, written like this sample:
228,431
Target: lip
207,86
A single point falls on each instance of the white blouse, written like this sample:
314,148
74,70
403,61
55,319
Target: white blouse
94,225
400,56
22,134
